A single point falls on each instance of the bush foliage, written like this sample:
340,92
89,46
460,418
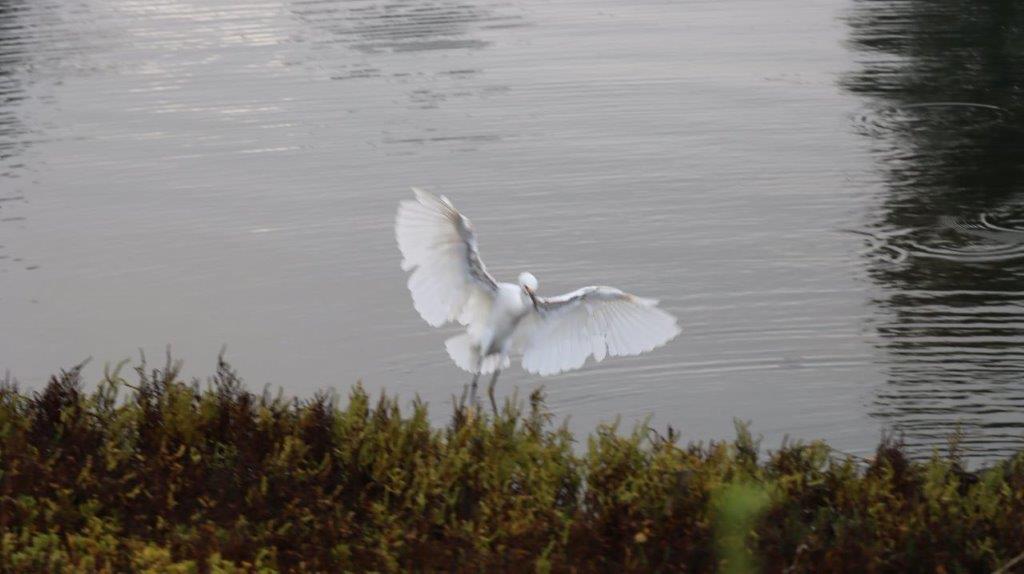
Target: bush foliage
164,475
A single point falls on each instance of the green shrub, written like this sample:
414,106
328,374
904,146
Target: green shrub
163,475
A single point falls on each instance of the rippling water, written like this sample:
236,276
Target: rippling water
826,193
943,85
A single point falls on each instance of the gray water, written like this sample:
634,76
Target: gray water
826,193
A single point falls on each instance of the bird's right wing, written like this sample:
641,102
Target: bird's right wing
561,332
449,281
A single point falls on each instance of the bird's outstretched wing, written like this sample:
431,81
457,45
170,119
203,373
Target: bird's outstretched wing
449,281
561,332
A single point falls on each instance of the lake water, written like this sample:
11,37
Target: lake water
827,193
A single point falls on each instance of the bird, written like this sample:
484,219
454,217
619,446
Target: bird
449,283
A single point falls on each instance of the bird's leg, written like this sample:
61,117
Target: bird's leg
472,388
490,391
476,377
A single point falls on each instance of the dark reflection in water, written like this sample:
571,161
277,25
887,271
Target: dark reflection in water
387,39
12,142
11,54
944,86
400,26
373,27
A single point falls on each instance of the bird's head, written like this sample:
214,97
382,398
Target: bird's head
529,284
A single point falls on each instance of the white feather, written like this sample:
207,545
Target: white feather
448,281
594,321
465,353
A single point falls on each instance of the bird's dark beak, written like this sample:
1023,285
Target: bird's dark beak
532,296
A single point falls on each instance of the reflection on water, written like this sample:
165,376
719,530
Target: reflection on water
402,26
943,82
10,84
383,35
12,132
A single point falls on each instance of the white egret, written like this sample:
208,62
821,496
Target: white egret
553,334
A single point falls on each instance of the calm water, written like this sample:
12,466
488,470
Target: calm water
827,193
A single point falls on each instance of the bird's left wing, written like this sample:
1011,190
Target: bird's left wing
449,281
561,332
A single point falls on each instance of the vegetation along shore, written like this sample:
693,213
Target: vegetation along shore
153,473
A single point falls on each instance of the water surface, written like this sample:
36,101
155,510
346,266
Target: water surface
826,193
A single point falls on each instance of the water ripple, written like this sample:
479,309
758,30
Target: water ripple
908,119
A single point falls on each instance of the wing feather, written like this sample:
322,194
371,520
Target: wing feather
449,281
562,332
